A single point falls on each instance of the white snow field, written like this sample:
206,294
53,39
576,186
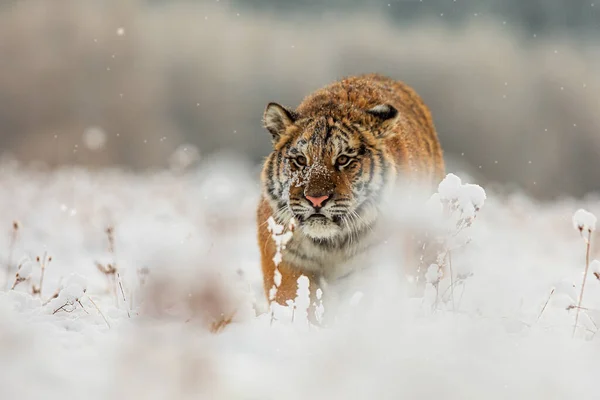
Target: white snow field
149,264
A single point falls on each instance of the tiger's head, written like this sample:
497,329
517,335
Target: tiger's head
328,172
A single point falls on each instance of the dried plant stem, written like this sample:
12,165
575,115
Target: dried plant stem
54,295
546,304
42,281
86,311
17,281
451,279
123,294
587,265
271,305
62,308
44,262
98,309
11,249
110,232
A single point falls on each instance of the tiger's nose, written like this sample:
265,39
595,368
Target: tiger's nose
317,201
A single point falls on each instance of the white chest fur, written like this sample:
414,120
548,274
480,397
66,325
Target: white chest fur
332,260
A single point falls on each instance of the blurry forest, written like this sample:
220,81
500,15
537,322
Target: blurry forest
513,84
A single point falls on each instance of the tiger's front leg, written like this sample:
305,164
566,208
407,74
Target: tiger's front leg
287,275
287,290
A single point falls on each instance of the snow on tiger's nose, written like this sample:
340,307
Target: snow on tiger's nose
317,179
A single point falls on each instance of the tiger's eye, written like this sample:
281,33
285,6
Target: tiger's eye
301,161
342,160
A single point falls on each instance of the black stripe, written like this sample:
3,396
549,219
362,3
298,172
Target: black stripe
328,132
347,130
360,170
277,170
270,166
270,183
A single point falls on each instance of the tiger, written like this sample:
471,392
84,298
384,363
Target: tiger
333,158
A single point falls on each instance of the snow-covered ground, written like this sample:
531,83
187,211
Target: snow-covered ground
184,247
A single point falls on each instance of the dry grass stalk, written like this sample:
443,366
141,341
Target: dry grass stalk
218,325
98,309
588,244
110,232
19,277
451,279
18,280
44,262
111,271
54,295
11,248
123,294
546,304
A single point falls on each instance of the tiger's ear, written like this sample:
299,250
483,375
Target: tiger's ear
385,115
276,119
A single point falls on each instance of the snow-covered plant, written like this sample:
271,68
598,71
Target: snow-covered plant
459,202
585,223
456,204
70,296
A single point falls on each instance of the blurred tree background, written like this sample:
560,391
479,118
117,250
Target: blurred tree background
513,84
